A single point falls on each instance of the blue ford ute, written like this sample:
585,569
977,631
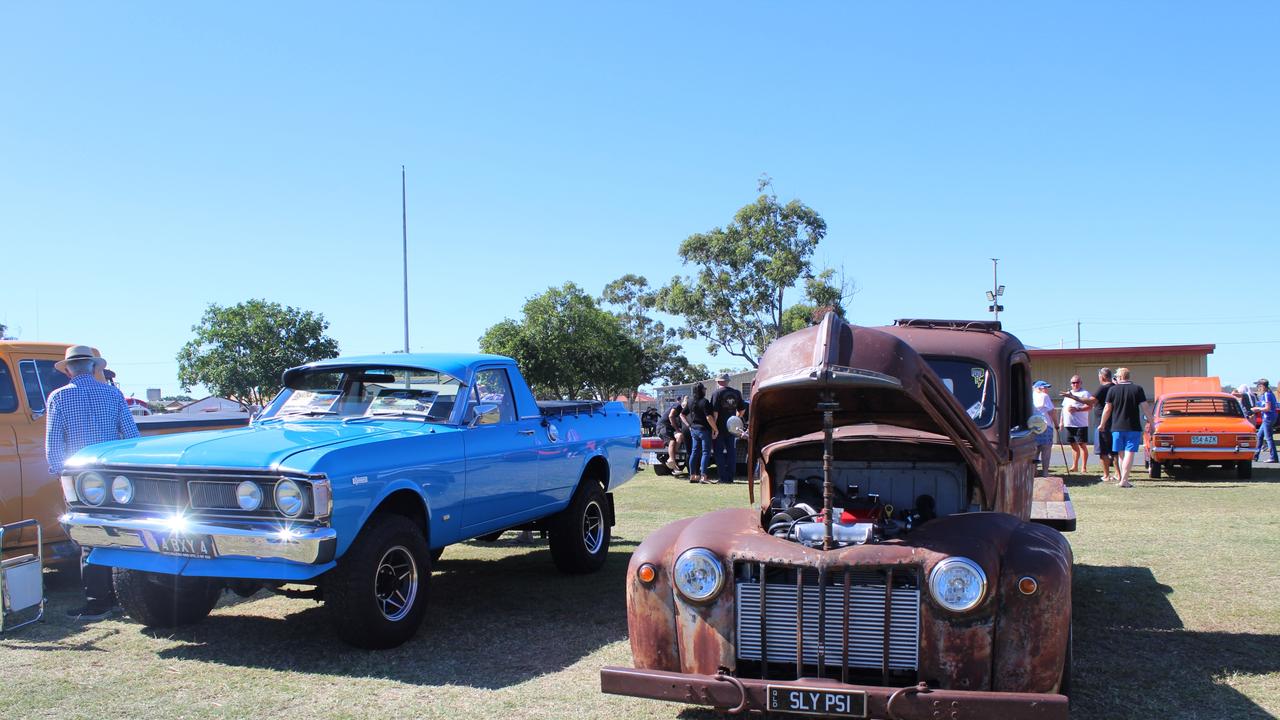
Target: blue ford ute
353,481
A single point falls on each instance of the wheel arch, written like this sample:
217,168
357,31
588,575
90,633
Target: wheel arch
405,500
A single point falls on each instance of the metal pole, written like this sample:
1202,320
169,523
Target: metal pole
995,285
1077,334
404,224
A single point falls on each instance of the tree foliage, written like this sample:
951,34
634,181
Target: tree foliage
240,351
660,357
567,346
736,301
823,296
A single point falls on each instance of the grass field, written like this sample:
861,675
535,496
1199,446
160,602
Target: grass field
1177,615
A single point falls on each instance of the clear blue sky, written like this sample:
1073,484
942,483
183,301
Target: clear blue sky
1121,159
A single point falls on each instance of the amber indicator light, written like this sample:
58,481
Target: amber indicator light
646,573
1028,586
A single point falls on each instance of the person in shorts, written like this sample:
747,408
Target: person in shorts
1042,405
1123,414
1075,421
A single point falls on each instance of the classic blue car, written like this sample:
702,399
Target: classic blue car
354,480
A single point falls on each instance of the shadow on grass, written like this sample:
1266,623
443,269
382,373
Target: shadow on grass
1193,474
490,624
1134,658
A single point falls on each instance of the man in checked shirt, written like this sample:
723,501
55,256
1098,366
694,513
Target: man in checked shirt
81,413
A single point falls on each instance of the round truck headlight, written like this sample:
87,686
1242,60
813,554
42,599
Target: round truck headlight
249,495
289,499
92,488
698,574
122,490
958,584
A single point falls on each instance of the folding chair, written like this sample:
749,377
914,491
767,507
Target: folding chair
21,581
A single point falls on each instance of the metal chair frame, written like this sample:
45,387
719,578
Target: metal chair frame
21,564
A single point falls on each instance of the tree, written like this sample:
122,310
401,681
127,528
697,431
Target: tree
823,296
737,300
239,352
660,358
567,346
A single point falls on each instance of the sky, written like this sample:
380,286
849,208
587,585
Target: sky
1120,159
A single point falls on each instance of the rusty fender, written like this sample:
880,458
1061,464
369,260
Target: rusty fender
1033,632
651,611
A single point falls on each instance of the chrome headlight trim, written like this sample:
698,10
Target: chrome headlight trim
698,574
91,487
289,498
248,496
122,490
958,568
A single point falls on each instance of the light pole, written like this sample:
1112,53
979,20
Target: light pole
404,229
996,291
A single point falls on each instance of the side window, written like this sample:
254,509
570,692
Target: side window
1019,397
8,394
491,387
39,378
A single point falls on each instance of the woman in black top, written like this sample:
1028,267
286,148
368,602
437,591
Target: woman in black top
702,429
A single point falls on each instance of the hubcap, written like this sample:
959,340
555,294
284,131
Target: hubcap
396,585
593,528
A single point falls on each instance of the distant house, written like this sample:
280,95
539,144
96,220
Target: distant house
212,404
643,400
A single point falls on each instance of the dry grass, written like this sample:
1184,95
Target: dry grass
1176,597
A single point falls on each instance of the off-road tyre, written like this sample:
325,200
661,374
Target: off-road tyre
1244,470
1155,470
579,534
165,601
369,603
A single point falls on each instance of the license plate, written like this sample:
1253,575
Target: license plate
184,545
817,701
1204,439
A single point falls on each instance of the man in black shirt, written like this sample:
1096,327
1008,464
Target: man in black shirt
726,402
1123,414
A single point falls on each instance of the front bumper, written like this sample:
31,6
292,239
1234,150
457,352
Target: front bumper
249,541
737,695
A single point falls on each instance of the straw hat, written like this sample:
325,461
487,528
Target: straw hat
80,352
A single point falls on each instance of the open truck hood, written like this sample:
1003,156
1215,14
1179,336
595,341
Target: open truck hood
873,377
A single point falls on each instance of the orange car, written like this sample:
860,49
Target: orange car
1199,429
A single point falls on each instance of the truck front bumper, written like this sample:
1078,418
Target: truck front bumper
305,544
740,695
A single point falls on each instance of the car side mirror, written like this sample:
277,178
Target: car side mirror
486,414
1037,424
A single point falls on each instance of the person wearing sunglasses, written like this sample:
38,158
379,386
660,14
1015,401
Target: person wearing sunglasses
1075,420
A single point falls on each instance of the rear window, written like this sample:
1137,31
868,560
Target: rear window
1201,407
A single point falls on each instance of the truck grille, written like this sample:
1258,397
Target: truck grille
207,495
201,493
863,621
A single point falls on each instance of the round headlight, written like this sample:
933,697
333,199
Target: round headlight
92,488
122,490
698,574
249,495
958,584
289,498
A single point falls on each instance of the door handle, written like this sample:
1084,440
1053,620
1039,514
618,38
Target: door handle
525,432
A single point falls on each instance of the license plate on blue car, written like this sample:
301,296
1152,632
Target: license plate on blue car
186,545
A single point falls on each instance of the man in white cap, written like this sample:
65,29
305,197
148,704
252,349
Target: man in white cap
84,412
726,402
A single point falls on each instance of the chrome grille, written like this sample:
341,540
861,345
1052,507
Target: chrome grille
207,495
153,491
876,641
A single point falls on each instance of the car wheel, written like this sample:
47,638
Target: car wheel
377,595
1244,470
1155,469
165,601
579,534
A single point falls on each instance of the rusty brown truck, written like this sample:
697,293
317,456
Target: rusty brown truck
902,561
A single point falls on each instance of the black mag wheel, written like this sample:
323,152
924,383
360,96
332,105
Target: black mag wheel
579,534
377,595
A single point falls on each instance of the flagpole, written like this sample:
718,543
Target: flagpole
404,225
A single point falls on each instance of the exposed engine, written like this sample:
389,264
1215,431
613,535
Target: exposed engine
857,518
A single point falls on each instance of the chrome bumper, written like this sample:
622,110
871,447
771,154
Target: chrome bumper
249,541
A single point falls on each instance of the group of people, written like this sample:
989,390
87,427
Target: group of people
1117,414
704,422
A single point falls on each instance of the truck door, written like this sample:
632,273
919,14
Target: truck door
10,463
41,491
502,456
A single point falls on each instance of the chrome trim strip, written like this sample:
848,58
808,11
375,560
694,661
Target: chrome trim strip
1202,449
257,541
171,469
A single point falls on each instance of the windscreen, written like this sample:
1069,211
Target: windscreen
972,383
370,392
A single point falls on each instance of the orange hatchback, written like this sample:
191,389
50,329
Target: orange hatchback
1198,429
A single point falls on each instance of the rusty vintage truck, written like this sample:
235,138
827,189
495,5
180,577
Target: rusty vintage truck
902,561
